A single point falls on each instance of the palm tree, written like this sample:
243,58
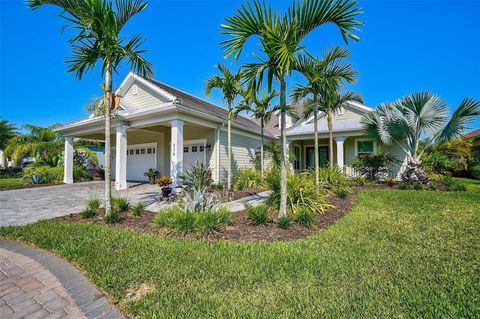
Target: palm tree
261,109
281,38
416,117
229,84
330,103
7,131
322,76
99,24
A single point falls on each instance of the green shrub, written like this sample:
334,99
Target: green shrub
94,203
341,193
305,217
211,220
198,176
217,186
120,203
114,217
283,222
48,174
301,192
436,162
258,215
452,185
246,178
403,186
36,179
87,213
81,173
360,180
417,186
137,209
373,166
332,179
474,171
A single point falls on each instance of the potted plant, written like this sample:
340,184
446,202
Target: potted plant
164,183
151,173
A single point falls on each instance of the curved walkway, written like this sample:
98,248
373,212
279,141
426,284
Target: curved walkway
37,284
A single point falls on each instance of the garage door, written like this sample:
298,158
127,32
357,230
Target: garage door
192,153
140,158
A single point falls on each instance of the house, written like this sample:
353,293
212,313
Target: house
159,126
474,136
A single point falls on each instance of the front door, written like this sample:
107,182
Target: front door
310,156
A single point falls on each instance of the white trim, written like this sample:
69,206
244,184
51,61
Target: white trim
217,155
362,140
132,77
359,106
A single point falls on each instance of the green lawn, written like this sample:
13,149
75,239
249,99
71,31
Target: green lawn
397,254
11,183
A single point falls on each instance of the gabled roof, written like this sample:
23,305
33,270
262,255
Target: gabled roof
472,134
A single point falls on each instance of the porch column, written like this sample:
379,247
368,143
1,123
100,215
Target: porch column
339,140
176,151
121,158
68,161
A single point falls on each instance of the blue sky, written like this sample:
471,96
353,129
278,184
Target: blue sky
405,46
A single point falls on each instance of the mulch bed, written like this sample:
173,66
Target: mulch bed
241,230
9,188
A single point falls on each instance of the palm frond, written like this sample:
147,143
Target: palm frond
465,114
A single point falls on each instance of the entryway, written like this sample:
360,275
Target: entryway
310,156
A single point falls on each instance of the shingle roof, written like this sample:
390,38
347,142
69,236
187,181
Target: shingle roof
200,105
471,134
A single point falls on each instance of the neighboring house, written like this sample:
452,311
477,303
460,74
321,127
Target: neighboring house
474,136
159,126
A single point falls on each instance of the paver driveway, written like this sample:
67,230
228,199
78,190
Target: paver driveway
23,206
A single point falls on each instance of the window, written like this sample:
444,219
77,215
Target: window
185,149
194,149
149,151
137,152
153,150
131,152
142,151
202,148
364,147
296,160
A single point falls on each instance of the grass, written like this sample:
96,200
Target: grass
12,183
397,254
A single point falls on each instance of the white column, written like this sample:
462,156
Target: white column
339,140
68,161
121,158
176,151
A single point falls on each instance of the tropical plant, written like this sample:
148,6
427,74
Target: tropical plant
455,155
262,110
137,209
322,76
229,84
48,174
283,222
198,176
258,215
305,217
94,203
246,178
280,37
99,24
87,213
120,204
164,181
333,179
7,132
415,117
373,166
36,179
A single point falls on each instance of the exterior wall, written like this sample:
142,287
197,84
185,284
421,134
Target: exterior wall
144,97
243,152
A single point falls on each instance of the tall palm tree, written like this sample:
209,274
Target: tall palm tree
99,24
416,117
322,76
8,131
229,84
261,109
281,37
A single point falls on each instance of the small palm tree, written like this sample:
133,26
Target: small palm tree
281,37
99,24
7,132
322,76
262,110
417,117
229,84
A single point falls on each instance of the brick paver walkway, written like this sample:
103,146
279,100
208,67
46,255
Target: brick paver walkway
37,284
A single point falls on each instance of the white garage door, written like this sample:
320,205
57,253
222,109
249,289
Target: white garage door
140,158
193,152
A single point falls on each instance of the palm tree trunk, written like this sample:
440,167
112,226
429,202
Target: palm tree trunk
261,149
330,139
229,151
283,151
315,132
108,183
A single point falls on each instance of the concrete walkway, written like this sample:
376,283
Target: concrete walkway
24,206
239,204
37,284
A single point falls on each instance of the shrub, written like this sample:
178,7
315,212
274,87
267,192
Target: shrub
120,203
246,178
341,193
198,176
137,209
373,166
360,180
258,215
113,217
36,179
390,182
474,171
305,217
81,173
436,162
87,213
452,185
48,174
283,222
164,181
403,186
301,193
332,179
417,186
212,220
217,186
94,203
